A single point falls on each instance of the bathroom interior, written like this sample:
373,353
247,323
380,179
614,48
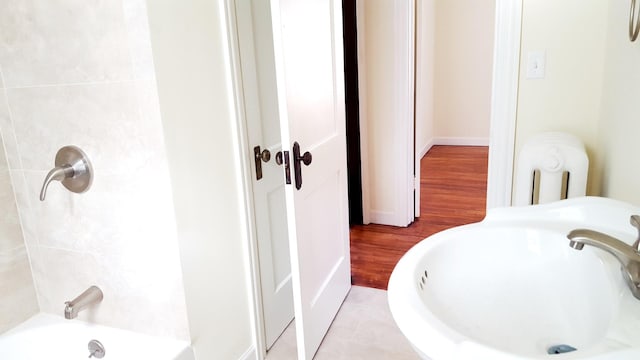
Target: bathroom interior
144,88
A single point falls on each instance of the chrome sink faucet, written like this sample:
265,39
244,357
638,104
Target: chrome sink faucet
627,255
92,295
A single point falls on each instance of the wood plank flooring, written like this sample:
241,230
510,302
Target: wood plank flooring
453,190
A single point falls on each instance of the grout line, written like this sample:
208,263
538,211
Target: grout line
13,249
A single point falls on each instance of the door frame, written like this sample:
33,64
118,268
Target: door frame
403,209
508,24
504,102
258,350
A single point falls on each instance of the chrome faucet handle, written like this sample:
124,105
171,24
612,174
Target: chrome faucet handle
635,222
58,173
72,169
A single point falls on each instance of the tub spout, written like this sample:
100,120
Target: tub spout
627,255
92,295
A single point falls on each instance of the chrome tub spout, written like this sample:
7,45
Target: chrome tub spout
92,295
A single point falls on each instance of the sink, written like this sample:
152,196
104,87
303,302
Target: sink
510,287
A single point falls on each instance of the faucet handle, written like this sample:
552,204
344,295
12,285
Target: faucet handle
72,168
635,222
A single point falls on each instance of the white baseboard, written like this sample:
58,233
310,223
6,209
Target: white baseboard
461,141
250,354
453,141
426,148
385,218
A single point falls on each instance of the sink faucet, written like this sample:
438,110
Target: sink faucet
627,255
92,295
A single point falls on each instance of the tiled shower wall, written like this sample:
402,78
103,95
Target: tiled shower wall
17,293
81,73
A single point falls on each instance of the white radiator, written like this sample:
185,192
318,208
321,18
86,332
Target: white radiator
551,166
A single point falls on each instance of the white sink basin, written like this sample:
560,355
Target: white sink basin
510,287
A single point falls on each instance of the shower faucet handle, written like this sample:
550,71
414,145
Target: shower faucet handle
72,169
635,222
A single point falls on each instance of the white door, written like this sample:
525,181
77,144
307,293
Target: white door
263,127
310,82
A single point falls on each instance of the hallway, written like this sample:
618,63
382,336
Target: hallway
453,191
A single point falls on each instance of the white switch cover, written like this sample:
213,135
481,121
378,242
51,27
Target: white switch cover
535,65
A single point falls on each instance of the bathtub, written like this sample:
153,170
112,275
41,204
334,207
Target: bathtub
52,337
511,287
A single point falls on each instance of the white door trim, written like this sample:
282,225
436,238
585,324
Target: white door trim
401,211
404,208
362,89
504,103
408,179
258,350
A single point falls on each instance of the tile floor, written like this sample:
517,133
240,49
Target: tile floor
363,329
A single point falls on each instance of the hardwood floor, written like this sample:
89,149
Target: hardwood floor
453,190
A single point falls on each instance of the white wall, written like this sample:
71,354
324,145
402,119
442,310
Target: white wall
81,73
425,74
191,58
619,124
463,68
572,32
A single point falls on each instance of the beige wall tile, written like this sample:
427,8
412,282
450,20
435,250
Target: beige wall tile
10,230
18,300
135,18
23,203
10,159
4,118
102,119
61,42
17,293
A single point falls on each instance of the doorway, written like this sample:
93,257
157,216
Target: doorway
443,102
